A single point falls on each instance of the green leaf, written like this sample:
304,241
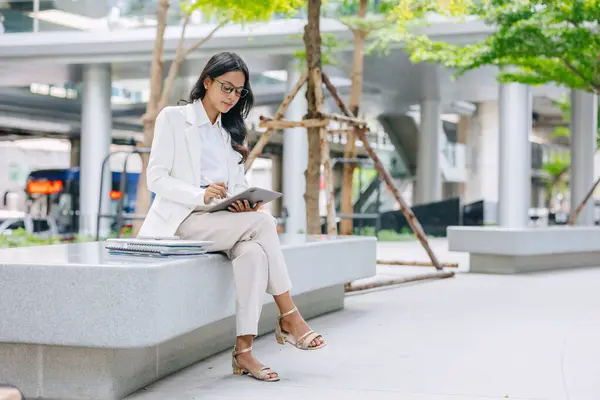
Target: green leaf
561,131
557,166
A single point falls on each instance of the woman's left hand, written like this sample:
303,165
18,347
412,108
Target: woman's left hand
244,206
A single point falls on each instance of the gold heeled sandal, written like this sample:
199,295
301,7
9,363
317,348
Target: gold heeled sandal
261,374
302,343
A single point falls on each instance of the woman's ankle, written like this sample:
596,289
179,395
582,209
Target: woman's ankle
244,342
292,319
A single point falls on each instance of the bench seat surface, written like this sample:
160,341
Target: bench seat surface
524,241
499,250
79,295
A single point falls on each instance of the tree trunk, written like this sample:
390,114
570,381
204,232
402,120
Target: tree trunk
312,41
156,80
346,225
325,157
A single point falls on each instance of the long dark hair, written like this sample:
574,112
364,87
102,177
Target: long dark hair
233,120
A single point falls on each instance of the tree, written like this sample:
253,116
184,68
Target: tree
536,42
312,42
545,41
373,20
317,123
353,14
384,21
221,11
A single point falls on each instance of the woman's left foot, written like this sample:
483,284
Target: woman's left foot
292,324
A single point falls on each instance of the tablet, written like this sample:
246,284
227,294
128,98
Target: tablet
253,195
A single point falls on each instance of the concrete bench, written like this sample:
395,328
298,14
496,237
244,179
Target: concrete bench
77,323
497,250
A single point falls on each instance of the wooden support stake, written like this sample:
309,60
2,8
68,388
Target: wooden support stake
336,96
581,205
264,139
410,216
325,158
348,120
282,124
415,263
408,213
340,131
432,275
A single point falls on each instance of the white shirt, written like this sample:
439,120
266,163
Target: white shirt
214,150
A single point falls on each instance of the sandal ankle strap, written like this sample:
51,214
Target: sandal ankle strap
238,352
293,310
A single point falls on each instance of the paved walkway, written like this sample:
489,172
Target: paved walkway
472,337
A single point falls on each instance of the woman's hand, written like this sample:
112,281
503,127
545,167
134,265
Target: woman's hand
217,190
244,206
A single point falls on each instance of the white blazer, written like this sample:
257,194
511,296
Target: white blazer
174,170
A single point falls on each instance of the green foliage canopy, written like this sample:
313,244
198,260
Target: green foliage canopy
386,22
405,17
244,11
546,41
564,105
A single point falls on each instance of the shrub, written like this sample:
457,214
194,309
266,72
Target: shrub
20,238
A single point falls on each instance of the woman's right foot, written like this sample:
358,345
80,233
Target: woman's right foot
292,328
247,362
297,327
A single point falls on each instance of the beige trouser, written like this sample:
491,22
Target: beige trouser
250,240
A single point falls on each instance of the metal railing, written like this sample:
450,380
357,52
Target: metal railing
120,217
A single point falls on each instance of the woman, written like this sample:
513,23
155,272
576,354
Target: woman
197,159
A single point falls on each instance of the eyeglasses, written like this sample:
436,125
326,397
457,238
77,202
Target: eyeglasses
228,88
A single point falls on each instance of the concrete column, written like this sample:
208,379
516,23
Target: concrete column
429,177
96,130
514,189
584,120
75,158
295,158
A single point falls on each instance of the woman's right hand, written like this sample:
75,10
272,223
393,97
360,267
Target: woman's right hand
217,190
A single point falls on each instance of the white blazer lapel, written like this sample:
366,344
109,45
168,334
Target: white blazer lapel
192,135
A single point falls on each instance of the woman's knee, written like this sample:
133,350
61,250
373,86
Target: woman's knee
266,220
249,249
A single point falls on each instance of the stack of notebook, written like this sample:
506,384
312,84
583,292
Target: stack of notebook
156,247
